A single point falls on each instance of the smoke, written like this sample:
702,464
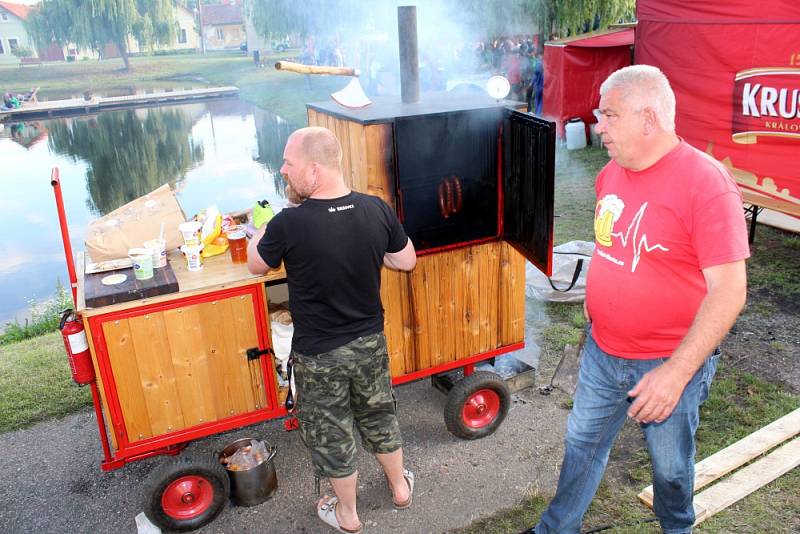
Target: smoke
448,33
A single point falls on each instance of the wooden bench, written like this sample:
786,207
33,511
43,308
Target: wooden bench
758,202
29,61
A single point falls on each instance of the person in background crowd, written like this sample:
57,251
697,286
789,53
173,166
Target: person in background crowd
666,283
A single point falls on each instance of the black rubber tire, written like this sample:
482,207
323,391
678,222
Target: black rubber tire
462,391
164,474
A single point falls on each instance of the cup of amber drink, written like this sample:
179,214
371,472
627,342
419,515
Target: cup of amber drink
237,243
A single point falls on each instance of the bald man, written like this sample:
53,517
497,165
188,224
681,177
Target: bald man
333,246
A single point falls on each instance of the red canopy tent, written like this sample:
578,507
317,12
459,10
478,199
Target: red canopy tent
575,67
735,70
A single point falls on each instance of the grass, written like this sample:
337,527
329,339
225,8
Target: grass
45,317
739,404
36,384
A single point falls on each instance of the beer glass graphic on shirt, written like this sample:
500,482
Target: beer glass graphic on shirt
608,211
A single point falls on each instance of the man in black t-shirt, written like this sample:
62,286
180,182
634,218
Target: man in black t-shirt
333,246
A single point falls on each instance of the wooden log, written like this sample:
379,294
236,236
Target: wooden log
315,69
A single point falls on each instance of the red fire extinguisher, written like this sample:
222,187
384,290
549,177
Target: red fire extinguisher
80,360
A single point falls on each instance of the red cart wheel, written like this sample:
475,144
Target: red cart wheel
477,405
186,493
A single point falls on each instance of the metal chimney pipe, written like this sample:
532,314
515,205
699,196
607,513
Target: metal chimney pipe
409,54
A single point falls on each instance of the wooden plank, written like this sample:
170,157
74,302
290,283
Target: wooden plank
419,298
358,156
511,314
313,117
230,391
460,295
123,360
488,279
190,363
737,454
342,132
391,297
472,327
244,326
747,480
380,161
783,206
157,374
447,305
100,387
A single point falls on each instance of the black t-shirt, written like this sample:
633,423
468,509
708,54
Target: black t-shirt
333,252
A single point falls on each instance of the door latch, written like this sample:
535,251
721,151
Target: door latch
254,353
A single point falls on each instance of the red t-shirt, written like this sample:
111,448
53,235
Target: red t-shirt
654,231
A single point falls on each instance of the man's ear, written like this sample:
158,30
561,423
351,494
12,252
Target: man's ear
650,120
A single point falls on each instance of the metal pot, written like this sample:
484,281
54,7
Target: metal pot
257,484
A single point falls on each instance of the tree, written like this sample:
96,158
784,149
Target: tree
95,23
570,17
127,155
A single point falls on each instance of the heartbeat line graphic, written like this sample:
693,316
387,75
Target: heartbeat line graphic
639,244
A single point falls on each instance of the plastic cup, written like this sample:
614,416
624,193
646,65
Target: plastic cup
194,261
237,244
142,259
190,231
159,251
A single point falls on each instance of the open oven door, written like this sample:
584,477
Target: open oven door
529,154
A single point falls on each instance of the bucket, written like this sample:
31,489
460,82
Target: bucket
255,485
576,133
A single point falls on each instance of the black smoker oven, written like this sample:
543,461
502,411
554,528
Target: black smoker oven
467,170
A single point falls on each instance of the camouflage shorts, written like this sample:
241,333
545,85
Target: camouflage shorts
336,390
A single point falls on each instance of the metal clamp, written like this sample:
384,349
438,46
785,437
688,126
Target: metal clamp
254,353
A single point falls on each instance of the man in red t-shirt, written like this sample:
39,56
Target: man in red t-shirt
666,283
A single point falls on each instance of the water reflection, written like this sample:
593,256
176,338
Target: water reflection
224,152
272,136
129,153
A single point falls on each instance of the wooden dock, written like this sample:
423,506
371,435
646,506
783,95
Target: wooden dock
81,106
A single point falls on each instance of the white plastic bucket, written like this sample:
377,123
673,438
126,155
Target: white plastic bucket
576,134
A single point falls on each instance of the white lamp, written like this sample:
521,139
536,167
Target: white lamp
498,87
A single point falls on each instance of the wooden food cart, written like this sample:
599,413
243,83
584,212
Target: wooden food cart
175,367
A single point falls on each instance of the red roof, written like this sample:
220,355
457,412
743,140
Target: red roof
16,9
222,14
601,39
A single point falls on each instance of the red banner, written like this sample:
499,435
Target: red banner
766,102
737,84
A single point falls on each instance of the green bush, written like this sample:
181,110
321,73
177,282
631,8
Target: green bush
45,317
22,52
71,58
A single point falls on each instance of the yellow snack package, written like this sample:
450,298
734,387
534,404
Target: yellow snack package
217,246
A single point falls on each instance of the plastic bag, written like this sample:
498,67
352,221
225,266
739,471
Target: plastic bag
246,457
568,282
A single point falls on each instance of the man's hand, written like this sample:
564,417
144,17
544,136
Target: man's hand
657,394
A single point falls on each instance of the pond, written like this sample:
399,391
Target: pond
222,152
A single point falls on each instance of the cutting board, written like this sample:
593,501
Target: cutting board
96,294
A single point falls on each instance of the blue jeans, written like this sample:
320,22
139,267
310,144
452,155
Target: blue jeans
598,414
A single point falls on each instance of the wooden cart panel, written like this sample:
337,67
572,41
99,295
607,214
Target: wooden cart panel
185,366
